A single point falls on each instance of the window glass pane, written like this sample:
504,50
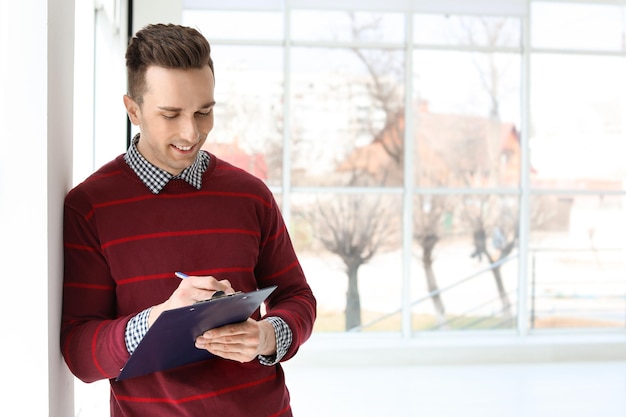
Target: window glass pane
577,26
465,274
467,119
248,110
350,247
466,30
344,26
578,258
577,135
218,24
347,125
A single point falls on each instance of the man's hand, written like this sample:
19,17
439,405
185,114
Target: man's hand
241,342
189,291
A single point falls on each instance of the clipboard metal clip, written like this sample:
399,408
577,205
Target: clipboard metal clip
217,295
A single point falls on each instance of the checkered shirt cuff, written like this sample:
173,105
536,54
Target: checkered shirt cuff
283,341
136,329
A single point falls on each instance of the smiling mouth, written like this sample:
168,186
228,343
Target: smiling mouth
183,148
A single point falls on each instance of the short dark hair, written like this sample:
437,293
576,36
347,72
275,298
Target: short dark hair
167,46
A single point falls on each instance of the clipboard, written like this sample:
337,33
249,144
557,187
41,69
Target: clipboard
170,341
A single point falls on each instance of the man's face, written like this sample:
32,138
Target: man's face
175,117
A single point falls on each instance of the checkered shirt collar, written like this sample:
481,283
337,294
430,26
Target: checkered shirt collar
156,178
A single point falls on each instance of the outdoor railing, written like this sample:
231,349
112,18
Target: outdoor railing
555,301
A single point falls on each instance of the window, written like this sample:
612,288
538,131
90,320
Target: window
416,150
576,247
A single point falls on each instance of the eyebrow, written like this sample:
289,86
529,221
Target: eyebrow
178,109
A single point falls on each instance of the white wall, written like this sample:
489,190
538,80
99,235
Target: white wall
150,11
36,72
84,67
109,117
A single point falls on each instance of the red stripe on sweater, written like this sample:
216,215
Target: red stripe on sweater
94,341
281,412
283,271
100,176
176,234
275,235
88,286
233,194
66,349
222,270
140,278
194,194
116,202
195,397
80,247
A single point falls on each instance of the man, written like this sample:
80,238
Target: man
167,206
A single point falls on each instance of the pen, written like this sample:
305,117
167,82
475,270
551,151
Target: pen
181,275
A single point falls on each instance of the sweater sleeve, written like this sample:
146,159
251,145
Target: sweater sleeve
293,300
92,337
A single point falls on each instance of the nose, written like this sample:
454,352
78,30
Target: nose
189,129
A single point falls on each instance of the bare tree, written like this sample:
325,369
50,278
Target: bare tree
385,73
355,228
429,211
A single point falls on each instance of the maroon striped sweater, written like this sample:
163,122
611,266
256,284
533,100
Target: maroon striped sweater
122,246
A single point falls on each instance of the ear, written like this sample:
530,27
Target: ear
133,110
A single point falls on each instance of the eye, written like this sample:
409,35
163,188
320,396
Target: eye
170,116
205,113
